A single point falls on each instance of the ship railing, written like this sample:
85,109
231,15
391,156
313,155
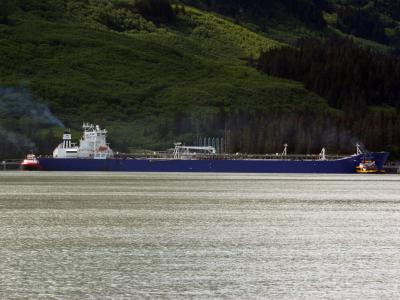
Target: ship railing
219,156
266,157
226,156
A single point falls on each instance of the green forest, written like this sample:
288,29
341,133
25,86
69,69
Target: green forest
310,73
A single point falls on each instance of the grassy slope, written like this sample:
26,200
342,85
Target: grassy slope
139,83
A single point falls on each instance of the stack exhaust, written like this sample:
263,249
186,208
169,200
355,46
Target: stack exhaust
67,139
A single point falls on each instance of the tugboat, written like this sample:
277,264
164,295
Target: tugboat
368,167
30,163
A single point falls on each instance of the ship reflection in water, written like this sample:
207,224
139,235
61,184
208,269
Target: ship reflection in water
94,154
204,236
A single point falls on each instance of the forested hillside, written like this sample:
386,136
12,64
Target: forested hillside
369,20
264,11
153,73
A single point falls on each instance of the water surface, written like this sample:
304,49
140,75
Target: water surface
202,236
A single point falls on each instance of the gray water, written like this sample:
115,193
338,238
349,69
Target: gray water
201,236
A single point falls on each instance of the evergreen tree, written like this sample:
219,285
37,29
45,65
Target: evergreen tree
6,9
363,23
159,11
338,70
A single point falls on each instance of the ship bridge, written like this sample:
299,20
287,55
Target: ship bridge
92,144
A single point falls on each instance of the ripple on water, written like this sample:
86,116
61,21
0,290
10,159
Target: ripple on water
103,235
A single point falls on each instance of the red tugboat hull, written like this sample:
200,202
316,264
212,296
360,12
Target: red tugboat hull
30,167
30,163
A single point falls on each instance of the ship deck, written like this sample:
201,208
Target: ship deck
227,156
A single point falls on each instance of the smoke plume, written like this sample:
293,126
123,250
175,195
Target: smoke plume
25,123
16,140
18,102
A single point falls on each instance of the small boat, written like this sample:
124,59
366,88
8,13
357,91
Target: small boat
368,167
30,163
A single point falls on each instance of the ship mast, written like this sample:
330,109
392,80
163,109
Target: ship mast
284,153
359,151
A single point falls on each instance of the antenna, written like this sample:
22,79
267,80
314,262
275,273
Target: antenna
284,153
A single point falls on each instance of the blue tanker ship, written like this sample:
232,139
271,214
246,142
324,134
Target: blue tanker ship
94,154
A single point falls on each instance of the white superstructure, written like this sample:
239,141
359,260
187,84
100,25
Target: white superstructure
91,145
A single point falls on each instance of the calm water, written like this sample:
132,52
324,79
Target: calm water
179,236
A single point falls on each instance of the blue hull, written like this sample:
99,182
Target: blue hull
344,165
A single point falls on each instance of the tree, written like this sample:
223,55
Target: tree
346,75
363,23
159,11
6,9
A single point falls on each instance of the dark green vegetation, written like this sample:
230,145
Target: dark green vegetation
262,12
370,20
153,74
24,120
6,9
349,77
352,79
363,23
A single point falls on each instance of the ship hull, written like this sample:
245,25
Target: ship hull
30,166
344,165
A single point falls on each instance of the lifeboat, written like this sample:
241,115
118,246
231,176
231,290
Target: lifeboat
30,163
